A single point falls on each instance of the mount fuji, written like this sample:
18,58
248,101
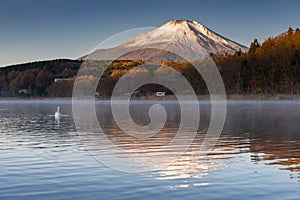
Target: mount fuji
186,38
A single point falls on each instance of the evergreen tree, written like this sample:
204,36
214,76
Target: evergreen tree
253,46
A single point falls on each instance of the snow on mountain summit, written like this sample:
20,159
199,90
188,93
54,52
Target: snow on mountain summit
191,33
178,36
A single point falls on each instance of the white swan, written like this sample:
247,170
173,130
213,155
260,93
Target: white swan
57,114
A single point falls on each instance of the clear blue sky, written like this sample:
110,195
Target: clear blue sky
37,30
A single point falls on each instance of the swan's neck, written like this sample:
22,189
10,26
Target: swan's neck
58,109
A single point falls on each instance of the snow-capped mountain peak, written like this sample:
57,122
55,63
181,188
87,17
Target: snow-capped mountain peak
191,32
189,37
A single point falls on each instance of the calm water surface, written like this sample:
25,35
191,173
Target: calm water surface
256,157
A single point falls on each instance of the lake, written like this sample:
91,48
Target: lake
256,157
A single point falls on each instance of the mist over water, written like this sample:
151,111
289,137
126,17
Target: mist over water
257,155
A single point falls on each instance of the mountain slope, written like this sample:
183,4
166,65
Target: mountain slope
181,37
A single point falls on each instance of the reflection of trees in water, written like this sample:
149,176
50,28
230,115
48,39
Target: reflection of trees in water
273,130
190,164
267,130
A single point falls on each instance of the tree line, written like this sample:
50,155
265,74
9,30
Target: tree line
272,67
37,79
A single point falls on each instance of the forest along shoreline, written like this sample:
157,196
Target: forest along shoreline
268,71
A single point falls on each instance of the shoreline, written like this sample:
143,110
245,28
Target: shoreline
230,97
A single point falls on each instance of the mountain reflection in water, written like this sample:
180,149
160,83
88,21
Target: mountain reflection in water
259,137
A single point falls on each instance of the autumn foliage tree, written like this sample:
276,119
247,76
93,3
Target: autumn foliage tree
271,67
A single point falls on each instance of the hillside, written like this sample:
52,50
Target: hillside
272,67
53,78
36,79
